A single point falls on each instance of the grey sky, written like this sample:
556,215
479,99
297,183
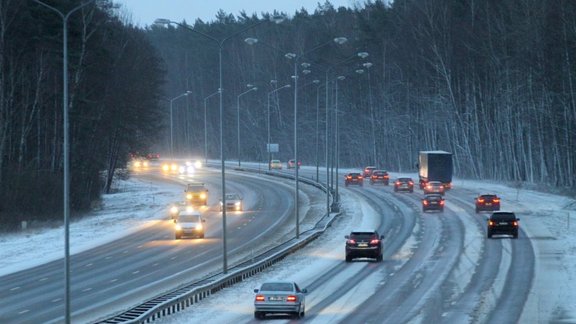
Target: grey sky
143,12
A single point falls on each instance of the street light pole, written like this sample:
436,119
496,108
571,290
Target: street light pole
268,106
296,58
238,116
206,127
318,85
172,122
337,131
66,147
220,43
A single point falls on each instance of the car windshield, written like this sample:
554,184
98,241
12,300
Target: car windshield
277,286
195,187
504,216
189,218
232,197
488,196
404,179
362,235
354,174
435,197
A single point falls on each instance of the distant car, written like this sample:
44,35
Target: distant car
353,178
233,202
368,171
170,167
433,187
275,165
280,297
189,224
487,203
404,184
153,156
138,163
364,244
196,193
175,208
292,164
380,176
433,202
503,223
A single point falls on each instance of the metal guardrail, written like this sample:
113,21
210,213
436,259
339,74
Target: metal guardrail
183,297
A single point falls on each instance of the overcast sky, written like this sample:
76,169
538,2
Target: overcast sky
143,12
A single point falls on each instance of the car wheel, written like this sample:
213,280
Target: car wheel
411,191
477,210
423,210
515,235
178,236
259,315
346,184
348,259
386,183
201,235
489,235
379,258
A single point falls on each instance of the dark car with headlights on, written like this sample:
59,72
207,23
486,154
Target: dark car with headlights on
503,223
404,184
367,172
282,297
380,176
292,164
233,202
353,178
433,202
364,244
487,203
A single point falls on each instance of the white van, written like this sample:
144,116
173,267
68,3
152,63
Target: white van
189,223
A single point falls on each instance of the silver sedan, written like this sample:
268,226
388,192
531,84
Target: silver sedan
280,297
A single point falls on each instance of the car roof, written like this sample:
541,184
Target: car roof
404,178
380,171
364,230
489,195
370,167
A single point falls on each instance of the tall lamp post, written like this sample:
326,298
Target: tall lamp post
296,58
318,85
252,88
220,43
337,133
268,107
206,127
172,121
66,146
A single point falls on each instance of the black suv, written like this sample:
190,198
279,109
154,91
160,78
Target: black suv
433,202
380,176
503,223
364,244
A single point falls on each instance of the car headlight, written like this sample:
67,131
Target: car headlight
202,196
189,208
178,227
190,169
174,210
174,167
237,204
165,167
188,196
198,164
145,164
199,227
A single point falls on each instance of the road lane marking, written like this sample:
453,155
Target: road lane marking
108,257
87,289
113,280
88,265
56,300
24,311
43,279
155,264
136,272
15,288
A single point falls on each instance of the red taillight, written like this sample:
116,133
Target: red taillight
351,241
375,242
441,202
480,200
496,200
411,183
359,177
491,223
397,183
349,177
292,298
425,202
260,298
515,223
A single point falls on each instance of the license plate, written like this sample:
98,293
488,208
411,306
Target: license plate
488,204
274,298
363,244
434,203
503,223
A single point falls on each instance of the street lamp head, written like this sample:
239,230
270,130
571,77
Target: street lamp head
277,19
188,92
341,78
290,56
306,71
367,65
340,40
162,22
287,86
360,71
363,54
251,40
249,85
315,81
273,81
254,89
305,65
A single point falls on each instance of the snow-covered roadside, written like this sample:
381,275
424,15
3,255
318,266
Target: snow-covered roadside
136,203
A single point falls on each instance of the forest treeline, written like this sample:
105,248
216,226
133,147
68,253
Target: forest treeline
491,81
115,83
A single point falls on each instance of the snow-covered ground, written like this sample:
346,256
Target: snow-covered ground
549,221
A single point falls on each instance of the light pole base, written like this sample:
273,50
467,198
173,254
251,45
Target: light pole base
335,207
